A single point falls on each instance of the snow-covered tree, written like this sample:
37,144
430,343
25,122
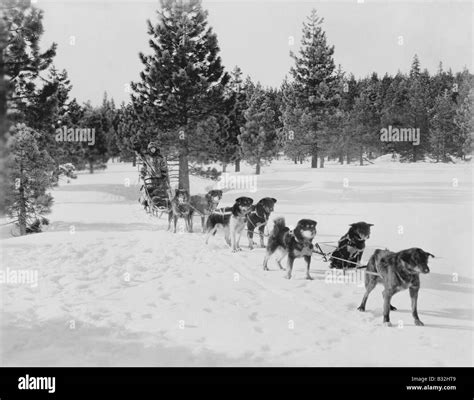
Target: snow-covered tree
182,81
259,139
28,178
315,83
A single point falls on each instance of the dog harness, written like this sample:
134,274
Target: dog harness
307,249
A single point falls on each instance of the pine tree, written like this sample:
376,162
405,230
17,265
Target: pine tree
442,127
394,110
464,122
316,83
259,138
294,137
129,133
236,104
71,152
366,116
109,125
417,111
182,81
28,178
95,154
23,61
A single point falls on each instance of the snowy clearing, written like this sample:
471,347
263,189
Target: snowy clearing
115,288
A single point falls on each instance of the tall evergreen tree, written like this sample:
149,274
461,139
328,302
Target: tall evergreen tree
442,128
95,154
28,178
464,122
417,110
182,80
259,138
294,138
366,114
23,60
316,83
235,105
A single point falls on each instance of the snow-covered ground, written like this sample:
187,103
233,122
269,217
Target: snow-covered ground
115,288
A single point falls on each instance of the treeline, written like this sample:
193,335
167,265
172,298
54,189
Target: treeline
41,128
188,102
199,112
439,106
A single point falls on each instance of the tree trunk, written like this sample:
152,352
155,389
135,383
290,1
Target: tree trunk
444,151
295,160
314,158
134,160
22,210
237,165
361,155
321,163
3,98
348,158
224,167
341,158
257,168
183,169
91,166
414,153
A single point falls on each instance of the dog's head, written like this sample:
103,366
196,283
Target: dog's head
305,229
181,196
265,206
242,205
416,259
360,230
214,196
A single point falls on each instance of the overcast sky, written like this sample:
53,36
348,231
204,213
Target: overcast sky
99,40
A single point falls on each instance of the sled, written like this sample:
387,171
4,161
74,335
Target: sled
156,190
326,257
157,195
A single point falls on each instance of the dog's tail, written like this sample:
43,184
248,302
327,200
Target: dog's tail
278,226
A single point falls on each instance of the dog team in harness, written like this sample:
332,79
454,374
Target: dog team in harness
395,271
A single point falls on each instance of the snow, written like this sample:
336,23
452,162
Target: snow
115,288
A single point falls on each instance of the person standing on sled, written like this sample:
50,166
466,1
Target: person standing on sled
157,161
155,164
155,167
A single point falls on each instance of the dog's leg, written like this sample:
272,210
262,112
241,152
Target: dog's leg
170,217
250,237
281,257
190,217
308,262
370,283
175,217
387,296
187,221
211,232
265,260
261,230
238,235
233,237
414,302
289,266
203,222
